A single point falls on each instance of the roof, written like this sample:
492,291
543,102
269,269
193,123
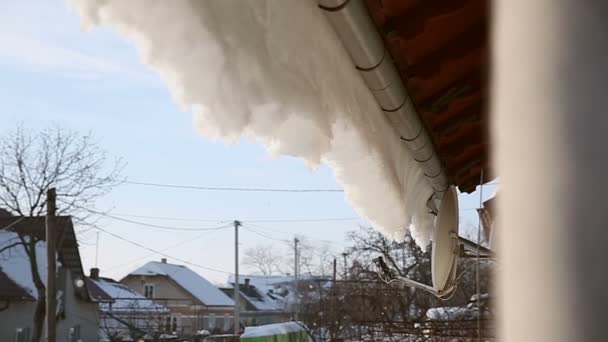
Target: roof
11,290
260,299
97,293
441,51
272,330
121,297
14,261
199,287
268,292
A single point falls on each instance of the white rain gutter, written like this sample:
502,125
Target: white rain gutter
351,21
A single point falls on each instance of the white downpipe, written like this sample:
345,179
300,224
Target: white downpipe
352,23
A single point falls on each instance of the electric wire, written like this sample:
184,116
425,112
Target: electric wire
150,225
264,235
168,218
181,243
256,229
14,223
137,244
213,188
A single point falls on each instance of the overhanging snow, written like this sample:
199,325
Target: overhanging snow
275,70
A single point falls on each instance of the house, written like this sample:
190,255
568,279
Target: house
272,299
125,314
77,314
262,299
195,304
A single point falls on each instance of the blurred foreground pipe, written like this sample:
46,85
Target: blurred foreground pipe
550,128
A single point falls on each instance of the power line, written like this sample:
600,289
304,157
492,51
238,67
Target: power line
210,188
157,226
256,231
150,225
162,250
251,221
13,223
305,220
137,244
170,218
263,235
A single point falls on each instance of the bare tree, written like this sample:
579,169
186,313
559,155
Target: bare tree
262,259
359,302
33,162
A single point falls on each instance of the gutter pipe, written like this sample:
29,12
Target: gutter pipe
351,21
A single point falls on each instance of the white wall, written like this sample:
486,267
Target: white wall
77,312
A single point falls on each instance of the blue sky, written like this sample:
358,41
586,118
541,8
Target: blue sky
54,73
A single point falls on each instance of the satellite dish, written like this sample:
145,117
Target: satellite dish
446,248
445,245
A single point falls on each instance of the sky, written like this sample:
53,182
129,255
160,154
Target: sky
53,72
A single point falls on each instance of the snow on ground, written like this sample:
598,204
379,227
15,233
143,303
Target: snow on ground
191,281
275,71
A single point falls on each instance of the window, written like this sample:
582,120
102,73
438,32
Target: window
149,291
74,334
22,334
211,321
172,323
174,326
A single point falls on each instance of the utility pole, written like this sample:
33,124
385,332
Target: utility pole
237,287
335,270
296,258
51,260
344,254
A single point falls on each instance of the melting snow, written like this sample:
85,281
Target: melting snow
275,71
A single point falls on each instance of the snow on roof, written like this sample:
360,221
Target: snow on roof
275,291
450,313
15,263
191,281
272,329
124,298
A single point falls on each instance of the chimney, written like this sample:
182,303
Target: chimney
163,260
94,273
247,283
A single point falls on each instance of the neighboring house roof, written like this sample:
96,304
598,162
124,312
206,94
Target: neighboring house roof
114,296
199,287
267,292
11,290
14,262
97,293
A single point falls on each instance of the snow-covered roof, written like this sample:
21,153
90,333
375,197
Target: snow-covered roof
195,284
450,313
272,329
14,262
123,298
275,292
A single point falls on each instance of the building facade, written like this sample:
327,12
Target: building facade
194,303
